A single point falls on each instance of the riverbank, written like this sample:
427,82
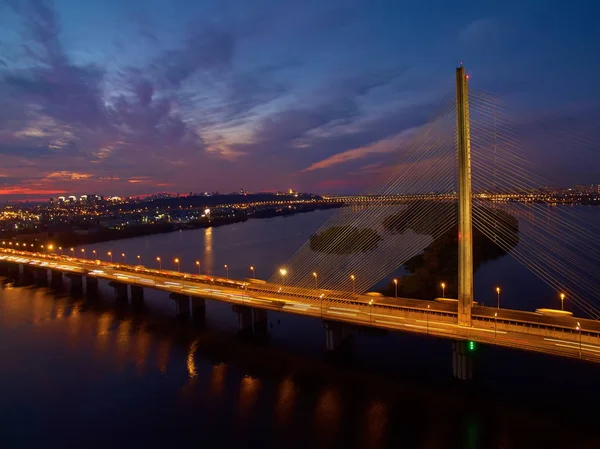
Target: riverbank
77,238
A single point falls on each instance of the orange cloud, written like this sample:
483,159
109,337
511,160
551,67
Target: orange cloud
30,191
380,147
68,175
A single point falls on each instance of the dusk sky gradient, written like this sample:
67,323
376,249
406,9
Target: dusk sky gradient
133,97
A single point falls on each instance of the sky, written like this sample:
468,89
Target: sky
131,97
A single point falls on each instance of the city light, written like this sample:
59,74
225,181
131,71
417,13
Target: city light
443,289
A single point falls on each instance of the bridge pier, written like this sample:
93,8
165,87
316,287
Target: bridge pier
182,306
137,297
198,310
337,335
91,285
462,361
5,268
14,271
41,276
76,281
120,292
56,278
28,277
251,319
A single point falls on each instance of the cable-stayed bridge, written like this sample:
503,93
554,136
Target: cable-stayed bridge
329,277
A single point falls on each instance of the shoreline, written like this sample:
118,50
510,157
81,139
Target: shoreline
74,239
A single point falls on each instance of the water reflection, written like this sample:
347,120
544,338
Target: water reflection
208,250
191,367
376,423
142,347
163,353
286,397
217,379
249,389
103,331
123,342
75,322
39,307
327,414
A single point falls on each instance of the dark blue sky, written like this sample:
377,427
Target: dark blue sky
138,96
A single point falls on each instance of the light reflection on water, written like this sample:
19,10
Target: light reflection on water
85,363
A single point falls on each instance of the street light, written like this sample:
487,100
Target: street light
198,265
159,263
226,271
396,288
321,297
283,272
83,251
371,312
428,306
353,278
110,255
73,252
498,292
177,262
495,323
562,301
316,279
124,257
60,250
94,253
579,329
443,290
139,258
253,273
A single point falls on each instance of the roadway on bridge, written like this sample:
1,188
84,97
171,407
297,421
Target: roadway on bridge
504,327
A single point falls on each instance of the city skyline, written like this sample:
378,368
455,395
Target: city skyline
131,100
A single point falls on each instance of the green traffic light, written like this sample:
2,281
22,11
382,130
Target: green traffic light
471,346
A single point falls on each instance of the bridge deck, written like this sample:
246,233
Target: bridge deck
532,331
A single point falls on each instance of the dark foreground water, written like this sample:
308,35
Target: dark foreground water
85,374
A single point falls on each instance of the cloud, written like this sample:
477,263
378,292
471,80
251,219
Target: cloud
382,146
71,176
208,47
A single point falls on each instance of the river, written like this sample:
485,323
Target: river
75,373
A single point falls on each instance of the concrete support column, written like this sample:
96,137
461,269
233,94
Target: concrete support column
120,292
91,285
251,319
336,335
462,361
137,297
182,306
41,276
76,281
14,271
198,310
56,278
28,274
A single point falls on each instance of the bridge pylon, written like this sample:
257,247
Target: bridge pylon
465,225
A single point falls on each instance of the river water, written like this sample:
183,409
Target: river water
76,373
